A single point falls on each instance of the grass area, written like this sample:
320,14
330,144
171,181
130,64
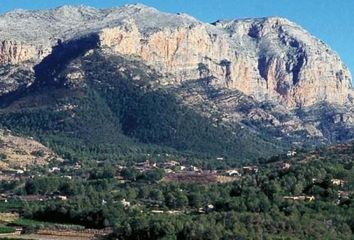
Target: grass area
7,229
8,217
11,206
29,222
24,222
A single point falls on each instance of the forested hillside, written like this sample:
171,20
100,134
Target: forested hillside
110,113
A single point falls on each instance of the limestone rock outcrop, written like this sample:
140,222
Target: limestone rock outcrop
270,59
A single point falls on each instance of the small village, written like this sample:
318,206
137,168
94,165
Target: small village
174,172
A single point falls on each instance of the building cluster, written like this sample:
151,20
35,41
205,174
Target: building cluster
172,166
300,198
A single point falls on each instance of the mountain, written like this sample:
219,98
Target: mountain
269,58
135,78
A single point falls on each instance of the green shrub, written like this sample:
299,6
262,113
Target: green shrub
3,156
38,153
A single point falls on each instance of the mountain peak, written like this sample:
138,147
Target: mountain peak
138,6
80,7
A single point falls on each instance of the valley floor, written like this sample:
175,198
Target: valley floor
302,195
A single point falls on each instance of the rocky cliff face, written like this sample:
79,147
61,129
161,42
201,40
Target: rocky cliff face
256,72
268,59
293,66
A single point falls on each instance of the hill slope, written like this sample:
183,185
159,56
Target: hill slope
114,104
20,153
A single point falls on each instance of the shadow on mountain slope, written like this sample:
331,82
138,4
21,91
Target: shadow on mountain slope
47,70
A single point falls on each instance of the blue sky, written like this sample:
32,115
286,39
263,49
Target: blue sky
331,21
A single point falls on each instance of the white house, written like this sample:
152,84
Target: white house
125,203
291,153
233,172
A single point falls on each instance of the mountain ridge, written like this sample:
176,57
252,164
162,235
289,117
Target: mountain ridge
264,81
286,55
